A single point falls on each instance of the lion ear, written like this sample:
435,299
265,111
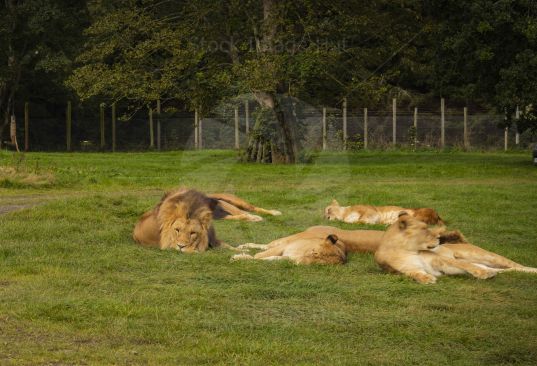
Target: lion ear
332,238
403,220
335,202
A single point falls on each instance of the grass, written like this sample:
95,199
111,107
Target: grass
75,289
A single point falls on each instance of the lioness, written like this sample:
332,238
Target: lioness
378,214
183,220
308,250
411,248
364,241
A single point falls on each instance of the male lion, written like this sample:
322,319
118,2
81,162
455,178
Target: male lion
411,248
378,214
327,250
183,220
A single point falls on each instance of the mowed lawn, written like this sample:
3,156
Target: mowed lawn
75,288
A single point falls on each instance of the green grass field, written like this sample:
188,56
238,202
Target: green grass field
75,288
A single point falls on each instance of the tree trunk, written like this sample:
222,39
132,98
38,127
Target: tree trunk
265,147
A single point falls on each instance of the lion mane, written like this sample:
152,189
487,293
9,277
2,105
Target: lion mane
182,220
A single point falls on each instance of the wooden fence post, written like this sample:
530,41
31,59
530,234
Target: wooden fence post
442,123
416,119
196,128
237,143
365,129
466,140
151,129
113,127
247,115
517,118
158,125
345,137
26,126
505,138
325,137
394,121
68,120
200,130
13,132
101,123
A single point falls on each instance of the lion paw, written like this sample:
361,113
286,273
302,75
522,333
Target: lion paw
484,274
274,212
254,218
242,256
425,279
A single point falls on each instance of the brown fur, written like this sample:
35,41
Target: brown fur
184,213
182,220
411,248
367,214
305,250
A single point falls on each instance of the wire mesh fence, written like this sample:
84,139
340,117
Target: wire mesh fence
221,128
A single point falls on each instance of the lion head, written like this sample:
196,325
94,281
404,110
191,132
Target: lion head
412,234
333,211
185,219
428,216
330,250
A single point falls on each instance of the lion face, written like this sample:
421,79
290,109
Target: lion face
417,235
186,222
332,211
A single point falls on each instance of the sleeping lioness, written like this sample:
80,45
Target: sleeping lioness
411,248
305,250
378,214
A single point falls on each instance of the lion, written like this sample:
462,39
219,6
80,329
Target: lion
361,241
411,248
307,250
182,220
367,214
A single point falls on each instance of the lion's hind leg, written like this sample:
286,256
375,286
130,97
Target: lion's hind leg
477,255
253,246
451,266
231,212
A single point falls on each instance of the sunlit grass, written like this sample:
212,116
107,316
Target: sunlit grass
75,289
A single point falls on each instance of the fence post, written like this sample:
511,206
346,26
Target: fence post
113,127
505,138
151,130
442,123
101,124
26,126
196,127
416,119
247,115
365,129
68,120
158,124
13,132
394,121
325,137
466,141
200,130
237,144
345,124
517,134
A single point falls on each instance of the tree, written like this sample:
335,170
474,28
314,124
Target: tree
202,52
36,37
